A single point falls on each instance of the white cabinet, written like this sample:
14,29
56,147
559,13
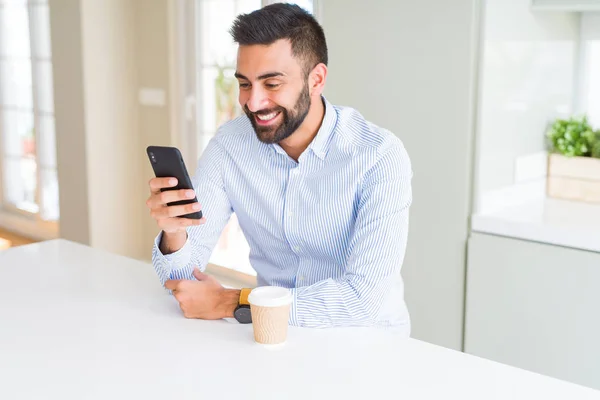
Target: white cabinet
534,306
565,5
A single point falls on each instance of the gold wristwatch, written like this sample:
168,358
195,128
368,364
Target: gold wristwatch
242,311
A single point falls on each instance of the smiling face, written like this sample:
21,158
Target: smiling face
274,90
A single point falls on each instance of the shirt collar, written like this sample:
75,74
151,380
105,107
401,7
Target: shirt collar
320,143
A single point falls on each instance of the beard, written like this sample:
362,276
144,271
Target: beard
292,119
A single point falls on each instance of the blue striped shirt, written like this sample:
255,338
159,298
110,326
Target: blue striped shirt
332,227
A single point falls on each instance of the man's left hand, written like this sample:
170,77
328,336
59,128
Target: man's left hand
204,298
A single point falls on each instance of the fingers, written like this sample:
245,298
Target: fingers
167,216
161,183
160,199
172,284
174,211
185,222
199,275
175,195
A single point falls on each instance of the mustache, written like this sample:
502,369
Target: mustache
262,112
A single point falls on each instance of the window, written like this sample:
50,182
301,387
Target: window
592,94
587,95
216,92
28,148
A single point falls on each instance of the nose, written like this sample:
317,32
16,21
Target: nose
258,99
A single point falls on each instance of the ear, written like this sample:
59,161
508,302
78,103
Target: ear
316,80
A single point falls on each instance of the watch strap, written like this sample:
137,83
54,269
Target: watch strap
244,293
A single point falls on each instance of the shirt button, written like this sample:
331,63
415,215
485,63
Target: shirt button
290,213
301,278
297,248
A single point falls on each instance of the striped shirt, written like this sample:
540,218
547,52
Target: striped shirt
332,227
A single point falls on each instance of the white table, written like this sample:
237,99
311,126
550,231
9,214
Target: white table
78,323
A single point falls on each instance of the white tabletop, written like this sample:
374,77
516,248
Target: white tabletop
78,323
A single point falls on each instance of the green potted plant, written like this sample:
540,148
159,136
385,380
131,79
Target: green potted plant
574,160
596,145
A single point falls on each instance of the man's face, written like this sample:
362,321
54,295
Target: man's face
273,90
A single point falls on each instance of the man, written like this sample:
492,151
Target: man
321,194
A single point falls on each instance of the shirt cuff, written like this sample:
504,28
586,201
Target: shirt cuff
177,259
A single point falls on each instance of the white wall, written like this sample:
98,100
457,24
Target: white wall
113,152
408,66
71,148
103,52
527,79
154,123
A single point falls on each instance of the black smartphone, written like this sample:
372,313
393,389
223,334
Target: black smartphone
168,162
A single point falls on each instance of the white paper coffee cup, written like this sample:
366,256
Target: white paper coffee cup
270,308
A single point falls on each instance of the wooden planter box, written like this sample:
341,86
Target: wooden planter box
574,178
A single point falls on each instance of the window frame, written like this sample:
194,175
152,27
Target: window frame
13,218
589,32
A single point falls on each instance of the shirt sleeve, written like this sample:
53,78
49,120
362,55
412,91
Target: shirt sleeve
216,208
377,249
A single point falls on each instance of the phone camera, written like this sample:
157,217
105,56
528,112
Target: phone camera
152,157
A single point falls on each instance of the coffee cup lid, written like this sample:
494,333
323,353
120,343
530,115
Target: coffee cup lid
270,296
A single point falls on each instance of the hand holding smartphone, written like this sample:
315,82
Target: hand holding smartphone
180,198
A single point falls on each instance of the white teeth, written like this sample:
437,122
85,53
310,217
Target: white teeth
267,117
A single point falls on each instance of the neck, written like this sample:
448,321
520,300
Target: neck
295,145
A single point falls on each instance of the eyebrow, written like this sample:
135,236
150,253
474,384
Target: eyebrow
261,77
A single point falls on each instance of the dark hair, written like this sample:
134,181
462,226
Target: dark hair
283,21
